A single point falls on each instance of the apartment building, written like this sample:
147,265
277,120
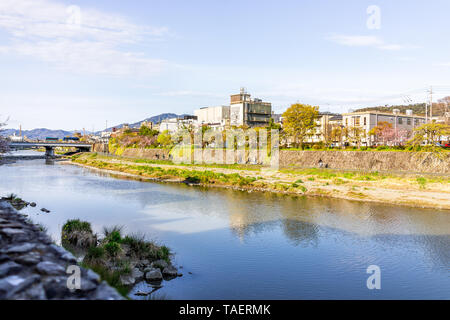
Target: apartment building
247,111
367,120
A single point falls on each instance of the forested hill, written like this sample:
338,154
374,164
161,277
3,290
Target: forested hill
439,108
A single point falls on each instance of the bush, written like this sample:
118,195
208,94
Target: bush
76,225
112,248
95,253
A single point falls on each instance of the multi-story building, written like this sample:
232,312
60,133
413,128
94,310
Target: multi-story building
249,112
367,120
215,117
325,123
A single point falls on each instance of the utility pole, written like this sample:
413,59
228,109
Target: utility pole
431,103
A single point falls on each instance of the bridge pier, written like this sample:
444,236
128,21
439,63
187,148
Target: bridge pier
49,152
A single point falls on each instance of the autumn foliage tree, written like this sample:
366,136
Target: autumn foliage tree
299,120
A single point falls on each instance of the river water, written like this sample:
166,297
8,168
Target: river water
240,245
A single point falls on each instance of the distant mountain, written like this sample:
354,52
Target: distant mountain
43,133
154,120
40,133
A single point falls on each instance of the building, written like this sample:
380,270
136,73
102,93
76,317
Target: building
326,122
215,117
175,124
367,120
249,112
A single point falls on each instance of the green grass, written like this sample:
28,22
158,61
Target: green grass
422,182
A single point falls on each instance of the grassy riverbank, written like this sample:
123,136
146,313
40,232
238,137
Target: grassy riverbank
410,190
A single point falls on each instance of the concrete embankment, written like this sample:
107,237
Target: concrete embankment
32,267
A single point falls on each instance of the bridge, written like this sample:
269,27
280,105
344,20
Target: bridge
50,146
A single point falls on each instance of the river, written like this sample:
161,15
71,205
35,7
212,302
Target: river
240,245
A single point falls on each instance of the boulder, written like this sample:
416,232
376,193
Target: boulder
154,275
127,280
9,267
50,268
161,264
137,274
170,271
33,204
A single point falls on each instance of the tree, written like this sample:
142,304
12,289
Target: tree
4,146
299,120
430,133
382,132
164,139
147,131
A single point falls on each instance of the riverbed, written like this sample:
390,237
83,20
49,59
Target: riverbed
238,245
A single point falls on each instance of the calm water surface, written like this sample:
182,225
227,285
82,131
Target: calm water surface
239,245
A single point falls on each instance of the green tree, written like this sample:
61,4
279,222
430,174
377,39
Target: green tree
147,131
430,133
299,120
164,139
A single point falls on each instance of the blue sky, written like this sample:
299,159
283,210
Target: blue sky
75,64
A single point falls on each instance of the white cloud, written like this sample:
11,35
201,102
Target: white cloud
77,39
365,41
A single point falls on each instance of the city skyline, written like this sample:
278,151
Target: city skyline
70,65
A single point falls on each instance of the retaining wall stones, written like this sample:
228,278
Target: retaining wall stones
32,267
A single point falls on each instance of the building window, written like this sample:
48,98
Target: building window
408,121
400,120
365,121
416,121
357,121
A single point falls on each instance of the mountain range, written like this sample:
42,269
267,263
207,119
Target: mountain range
42,133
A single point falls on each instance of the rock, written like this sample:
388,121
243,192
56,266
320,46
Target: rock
141,293
12,284
56,287
9,267
3,258
127,280
21,248
161,264
144,263
11,232
29,258
154,275
33,204
87,285
105,292
137,274
92,276
170,271
45,210
69,257
50,268
35,292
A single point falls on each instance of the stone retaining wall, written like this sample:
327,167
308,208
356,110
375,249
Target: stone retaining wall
32,267
422,162
388,161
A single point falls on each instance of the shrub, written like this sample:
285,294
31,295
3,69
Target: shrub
113,234
422,182
112,248
95,253
76,225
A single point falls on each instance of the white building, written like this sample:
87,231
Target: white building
175,124
213,116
